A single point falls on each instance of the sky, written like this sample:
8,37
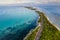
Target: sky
27,1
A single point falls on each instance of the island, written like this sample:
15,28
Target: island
45,29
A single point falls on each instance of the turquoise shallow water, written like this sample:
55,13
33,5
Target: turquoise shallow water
15,22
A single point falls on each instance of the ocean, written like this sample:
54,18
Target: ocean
52,12
16,22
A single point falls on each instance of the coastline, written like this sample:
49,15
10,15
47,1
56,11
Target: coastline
39,21
31,32
36,9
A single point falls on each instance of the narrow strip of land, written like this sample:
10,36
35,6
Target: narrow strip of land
41,28
47,31
38,34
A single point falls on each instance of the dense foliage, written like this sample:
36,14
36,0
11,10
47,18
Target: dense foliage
49,31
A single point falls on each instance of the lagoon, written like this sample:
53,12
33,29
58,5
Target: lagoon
16,22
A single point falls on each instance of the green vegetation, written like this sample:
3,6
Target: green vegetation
49,32
41,15
30,8
33,34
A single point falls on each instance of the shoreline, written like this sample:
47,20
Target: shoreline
36,9
30,32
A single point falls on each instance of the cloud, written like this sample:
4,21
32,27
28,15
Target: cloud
26,1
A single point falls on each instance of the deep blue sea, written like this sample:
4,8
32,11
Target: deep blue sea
16,22
52,12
